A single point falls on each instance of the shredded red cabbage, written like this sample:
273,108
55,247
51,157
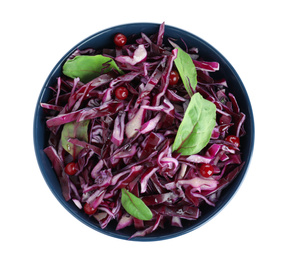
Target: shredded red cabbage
129,141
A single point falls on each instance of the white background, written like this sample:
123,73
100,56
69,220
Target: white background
36,34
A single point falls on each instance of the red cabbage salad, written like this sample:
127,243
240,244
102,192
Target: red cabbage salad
141,133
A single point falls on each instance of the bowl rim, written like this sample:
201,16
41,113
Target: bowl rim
204,219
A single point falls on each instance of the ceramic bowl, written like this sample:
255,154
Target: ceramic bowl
104,39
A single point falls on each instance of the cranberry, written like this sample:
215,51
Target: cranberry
173,77
120,39
121,93
71,168
206,170
89,209
233,139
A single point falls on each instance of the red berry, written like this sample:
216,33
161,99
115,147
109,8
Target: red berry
71,168
120,39
121,93
89,209
173,77
233,139
206,170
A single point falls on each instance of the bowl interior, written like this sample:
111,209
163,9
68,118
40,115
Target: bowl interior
104,39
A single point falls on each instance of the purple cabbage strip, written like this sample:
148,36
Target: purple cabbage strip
58,166
139,55
129,141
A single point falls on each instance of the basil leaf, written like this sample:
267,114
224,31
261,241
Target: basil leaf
77,130
195,130
186,69
88,67
135,206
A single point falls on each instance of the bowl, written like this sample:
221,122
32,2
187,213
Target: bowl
104,39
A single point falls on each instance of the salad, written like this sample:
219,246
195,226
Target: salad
142,133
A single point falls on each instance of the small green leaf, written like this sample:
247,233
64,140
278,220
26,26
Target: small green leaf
88,67
186,69
77,130
197,125
135,206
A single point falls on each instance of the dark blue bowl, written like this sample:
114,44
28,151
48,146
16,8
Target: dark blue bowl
104,39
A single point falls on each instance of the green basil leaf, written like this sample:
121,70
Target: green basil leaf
77,130
135,206
195,130
88,67
186,69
